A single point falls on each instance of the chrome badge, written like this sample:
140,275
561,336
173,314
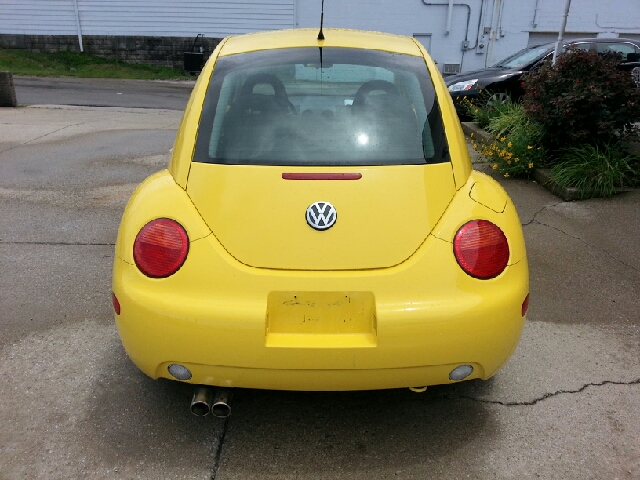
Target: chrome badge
321,215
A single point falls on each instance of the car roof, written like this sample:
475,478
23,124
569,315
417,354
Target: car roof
308,37
601,40
585,40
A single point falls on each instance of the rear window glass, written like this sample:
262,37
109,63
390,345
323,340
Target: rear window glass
312,106
524,57
622,48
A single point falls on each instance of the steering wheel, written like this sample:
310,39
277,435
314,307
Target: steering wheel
281,97
360,98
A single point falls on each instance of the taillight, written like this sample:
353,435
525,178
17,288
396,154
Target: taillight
481,249
160,248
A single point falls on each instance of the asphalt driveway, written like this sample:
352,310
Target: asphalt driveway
103,92
73,406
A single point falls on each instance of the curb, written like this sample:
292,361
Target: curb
540,175
543,177
92,108
472,128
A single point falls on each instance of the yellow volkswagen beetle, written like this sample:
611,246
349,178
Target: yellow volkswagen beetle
320,227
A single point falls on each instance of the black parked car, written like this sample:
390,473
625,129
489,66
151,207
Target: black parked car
504,79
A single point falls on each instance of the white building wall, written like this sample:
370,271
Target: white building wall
38,17
521,25
213,18
405,17
492,29
497,28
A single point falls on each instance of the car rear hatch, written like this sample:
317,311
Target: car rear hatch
258,213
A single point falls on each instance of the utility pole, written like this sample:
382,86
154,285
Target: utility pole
561,34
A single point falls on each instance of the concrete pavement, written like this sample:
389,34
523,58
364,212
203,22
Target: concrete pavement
72,405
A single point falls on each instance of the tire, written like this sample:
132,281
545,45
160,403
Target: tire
635,74
499,96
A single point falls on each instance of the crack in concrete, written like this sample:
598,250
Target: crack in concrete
426,398
533,219
59,243
589,245
537,222
542,398
216,465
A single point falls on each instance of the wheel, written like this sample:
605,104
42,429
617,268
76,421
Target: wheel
498,97
635,74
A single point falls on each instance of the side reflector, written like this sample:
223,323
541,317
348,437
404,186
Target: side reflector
179,372
116,303
461,372
481,249
160,248
525,305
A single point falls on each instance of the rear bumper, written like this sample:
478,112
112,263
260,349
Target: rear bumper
424,324
321,380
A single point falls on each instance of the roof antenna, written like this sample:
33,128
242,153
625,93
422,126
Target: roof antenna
320,34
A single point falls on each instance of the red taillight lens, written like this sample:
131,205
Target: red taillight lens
160,248
481,249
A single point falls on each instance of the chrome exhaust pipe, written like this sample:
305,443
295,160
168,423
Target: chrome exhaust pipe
221,403
202,401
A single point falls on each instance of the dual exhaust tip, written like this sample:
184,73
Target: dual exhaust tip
217,400
208,400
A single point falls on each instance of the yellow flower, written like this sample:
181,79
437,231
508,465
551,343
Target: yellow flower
517,159
508,162
530,164
529,147
509,144
506,175
495,166
502,139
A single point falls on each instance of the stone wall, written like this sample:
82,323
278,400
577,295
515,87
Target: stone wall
164,51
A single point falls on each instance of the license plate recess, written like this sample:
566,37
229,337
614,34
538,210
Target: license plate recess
321,319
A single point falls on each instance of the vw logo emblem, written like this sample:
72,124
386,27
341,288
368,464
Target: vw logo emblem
321,215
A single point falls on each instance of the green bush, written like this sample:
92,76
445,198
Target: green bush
595,171
484,108
583,99
516,149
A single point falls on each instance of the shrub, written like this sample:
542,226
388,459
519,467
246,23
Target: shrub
484,108
583,99
595,171
516,150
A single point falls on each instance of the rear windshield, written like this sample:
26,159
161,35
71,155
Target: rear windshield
312,106
524,57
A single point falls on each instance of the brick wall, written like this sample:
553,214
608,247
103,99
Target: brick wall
164,51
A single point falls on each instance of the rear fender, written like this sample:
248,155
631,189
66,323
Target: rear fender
157,197
482,198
